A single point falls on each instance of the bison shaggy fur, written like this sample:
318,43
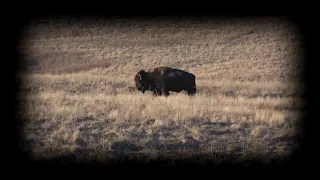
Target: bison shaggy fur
161,80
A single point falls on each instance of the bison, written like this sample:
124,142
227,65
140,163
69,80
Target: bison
161,80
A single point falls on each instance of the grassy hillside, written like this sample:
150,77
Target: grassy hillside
78,95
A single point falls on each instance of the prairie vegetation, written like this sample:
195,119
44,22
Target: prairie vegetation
78,97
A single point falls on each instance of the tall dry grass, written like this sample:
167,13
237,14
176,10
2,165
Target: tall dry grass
77,92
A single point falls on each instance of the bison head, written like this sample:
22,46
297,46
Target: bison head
141,81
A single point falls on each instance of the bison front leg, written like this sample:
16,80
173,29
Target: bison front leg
164,90
156,92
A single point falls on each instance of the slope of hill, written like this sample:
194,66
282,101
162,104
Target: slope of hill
78,95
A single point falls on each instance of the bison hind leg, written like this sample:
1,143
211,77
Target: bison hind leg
164,91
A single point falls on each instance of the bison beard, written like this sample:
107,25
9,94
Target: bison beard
161,80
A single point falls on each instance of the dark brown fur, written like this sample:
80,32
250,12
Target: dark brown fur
161,80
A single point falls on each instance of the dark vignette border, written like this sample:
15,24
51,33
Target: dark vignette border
66,165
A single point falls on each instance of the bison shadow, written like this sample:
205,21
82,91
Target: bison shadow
266,95
220,124
189,144
219,133
208,122
230,93
279,108
125,146
273,95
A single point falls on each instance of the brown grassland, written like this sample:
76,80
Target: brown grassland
78,97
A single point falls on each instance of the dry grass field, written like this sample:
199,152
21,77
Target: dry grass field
78,97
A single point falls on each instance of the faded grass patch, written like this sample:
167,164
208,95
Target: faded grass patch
77,92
